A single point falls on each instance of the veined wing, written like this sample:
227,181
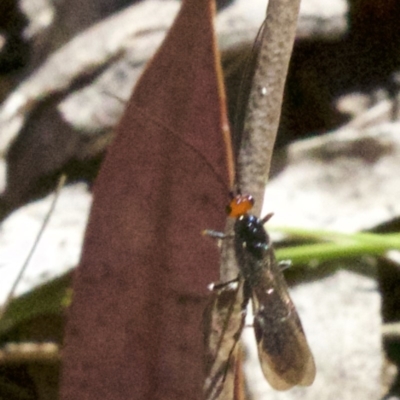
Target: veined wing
284,354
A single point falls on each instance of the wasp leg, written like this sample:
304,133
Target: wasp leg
216,234
236,337
222,285
285,264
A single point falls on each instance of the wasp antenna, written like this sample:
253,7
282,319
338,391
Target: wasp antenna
267,218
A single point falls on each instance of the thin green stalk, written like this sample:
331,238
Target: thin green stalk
343,245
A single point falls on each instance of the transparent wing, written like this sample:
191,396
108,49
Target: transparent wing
284,354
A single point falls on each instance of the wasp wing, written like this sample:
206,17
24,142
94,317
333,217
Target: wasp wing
284,354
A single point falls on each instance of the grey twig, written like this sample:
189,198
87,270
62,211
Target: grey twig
265,99
255,152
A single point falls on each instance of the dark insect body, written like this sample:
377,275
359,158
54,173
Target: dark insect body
285,357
